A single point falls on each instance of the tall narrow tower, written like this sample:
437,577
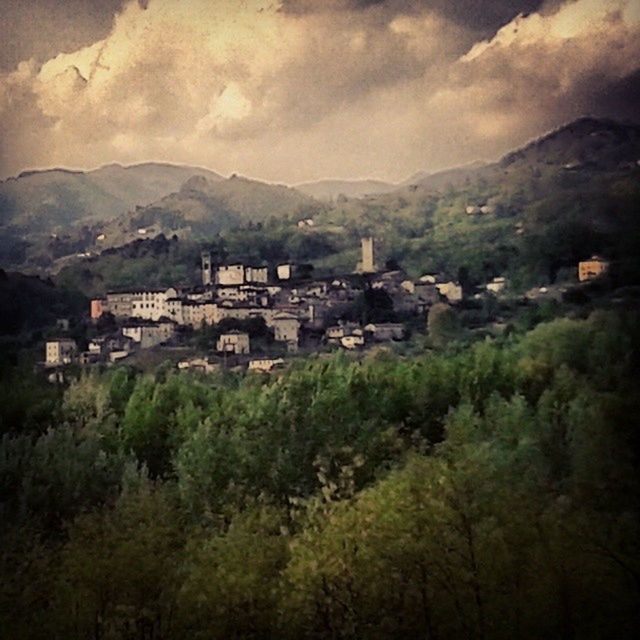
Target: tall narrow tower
206,268
368,258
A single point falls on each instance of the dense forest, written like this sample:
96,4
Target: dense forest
476,490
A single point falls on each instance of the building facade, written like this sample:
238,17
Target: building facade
61,351
592,268
236,342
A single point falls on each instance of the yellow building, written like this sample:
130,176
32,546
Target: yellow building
592,268
60,351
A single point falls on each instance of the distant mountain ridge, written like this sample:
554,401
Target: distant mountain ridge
115,204
49,199
204,206
330,189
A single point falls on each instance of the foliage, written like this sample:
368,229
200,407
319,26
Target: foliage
484,491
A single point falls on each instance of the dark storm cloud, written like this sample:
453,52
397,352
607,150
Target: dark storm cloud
481,15
41,29
340,87
620,98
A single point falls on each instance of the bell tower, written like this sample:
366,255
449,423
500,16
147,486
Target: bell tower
206,268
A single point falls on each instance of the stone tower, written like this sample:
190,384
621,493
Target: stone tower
206,268
368,259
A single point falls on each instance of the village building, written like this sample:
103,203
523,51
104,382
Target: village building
285,271
353,341
238,274
61,351
120,354
592,268
89,357
497,284
385,331
236,342
201,365
149,334
286,328
256,274
335,333
265,365
97,308
452,291
151,305
230,274
144,304
408,285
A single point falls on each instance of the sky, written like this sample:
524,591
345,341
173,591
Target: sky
299,90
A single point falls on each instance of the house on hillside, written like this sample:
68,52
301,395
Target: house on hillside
266,365
592,268
452,291
149,334
286,328
236,342
385,331
497,284
61,351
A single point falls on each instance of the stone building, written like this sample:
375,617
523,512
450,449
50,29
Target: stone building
236,342
149,334
61,351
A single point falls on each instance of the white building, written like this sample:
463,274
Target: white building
229,274
143,304
266,365
235,342
258,275
285,271
149,335
497,284
60,351
452,291
352,342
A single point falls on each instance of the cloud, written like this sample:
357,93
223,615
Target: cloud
485,15
40,29
298,90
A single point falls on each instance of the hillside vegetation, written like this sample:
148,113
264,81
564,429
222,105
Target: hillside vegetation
488,491
53,199
560,199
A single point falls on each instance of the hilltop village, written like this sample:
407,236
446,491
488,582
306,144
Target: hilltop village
260,315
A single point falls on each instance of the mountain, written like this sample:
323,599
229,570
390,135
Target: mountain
453,177
204,207
586,143
530,217
332,189
414,178
52,200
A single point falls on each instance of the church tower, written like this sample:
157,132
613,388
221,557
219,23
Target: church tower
206,268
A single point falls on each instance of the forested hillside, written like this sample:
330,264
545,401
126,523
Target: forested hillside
530,217
481,491
49,199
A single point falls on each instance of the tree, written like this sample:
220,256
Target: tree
443,325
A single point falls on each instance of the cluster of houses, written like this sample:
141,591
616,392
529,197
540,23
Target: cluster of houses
299,311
